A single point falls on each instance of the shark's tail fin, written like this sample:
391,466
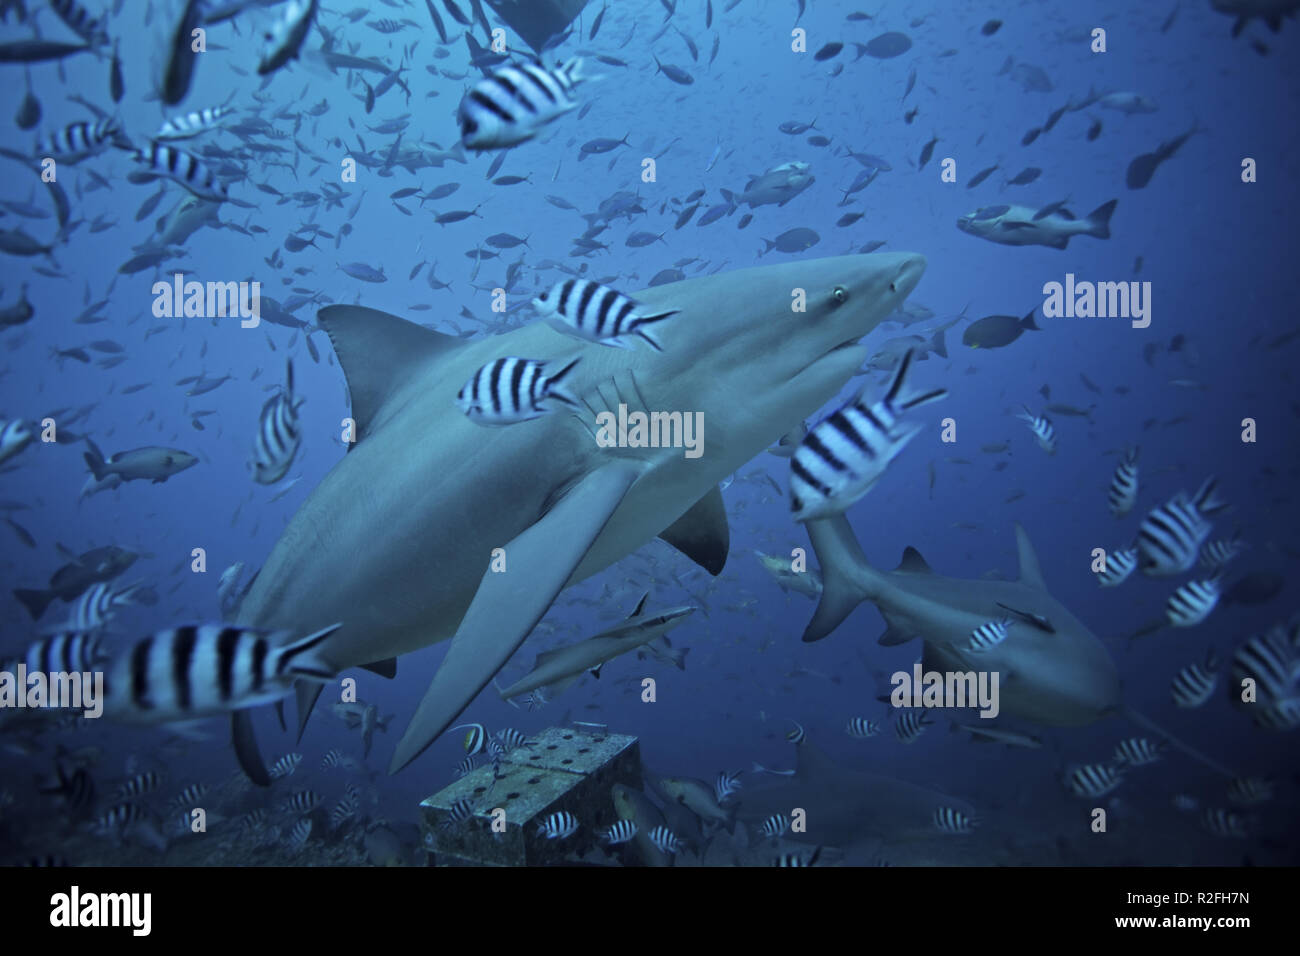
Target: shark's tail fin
847,578
94,460
1146,723
1099,220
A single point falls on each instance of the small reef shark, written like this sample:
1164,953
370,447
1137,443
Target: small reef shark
1053,670
557,669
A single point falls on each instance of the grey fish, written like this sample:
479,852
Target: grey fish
793,240
359,270
996,331
150,464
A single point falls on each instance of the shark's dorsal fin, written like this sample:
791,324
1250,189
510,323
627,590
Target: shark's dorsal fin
913,562
1031,574
640,606
702,533
379,353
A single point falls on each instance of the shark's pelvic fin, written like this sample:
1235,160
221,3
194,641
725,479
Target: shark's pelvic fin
245,741
845,573
379,353
1030,573
385,668
507,606
306,693
702,533
913,562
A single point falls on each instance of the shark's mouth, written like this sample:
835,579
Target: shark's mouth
837,350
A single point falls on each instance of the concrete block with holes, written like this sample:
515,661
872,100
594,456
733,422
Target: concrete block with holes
560,769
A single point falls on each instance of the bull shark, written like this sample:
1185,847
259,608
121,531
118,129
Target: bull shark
432,527
558,669
1054,671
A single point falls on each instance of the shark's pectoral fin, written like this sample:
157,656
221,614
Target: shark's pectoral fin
702,533
509,604
844,573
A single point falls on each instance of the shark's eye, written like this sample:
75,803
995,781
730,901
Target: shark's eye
840,294
893,287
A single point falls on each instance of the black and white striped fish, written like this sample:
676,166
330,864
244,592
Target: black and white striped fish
988,635
843,456
620,832
66,652
948,820
197,671
1120,563
726,786
511,106
188,798
299,834
304,801
1042,427
559,825
346,808
510,739
1251,791
665,840
1215,554
860,728
1137,752
1283,715
78,140
98,605
457,813
80,21
188,125
1192,602
1093,780
465,766
254,819
797,859
910,724
139,785
335,758
797,735
1271,661
775,826
1124,486
597,313
119,817
285,766
1170,537
1194,684
279,434
168,162
510,390
1224,823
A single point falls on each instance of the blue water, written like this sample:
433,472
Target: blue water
1219,255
